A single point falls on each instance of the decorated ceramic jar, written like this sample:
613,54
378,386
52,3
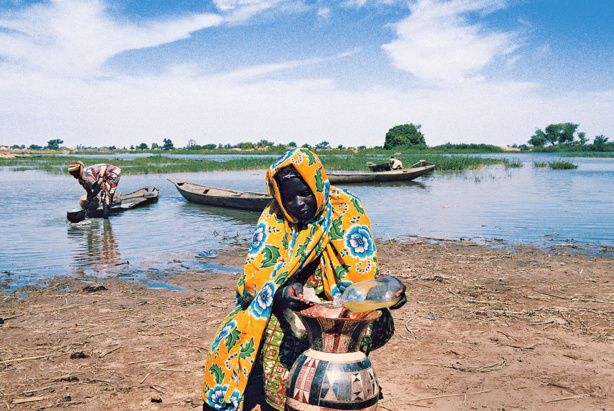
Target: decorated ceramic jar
333,374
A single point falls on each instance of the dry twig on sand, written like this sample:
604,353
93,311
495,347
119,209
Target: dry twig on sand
448,396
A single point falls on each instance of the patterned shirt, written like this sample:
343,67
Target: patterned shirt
97,174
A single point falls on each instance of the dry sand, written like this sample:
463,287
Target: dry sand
484,329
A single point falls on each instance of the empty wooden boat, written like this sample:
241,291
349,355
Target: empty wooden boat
221,197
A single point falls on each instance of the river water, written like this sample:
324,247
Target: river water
525,205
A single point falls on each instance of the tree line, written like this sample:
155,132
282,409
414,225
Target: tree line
555,137
562,136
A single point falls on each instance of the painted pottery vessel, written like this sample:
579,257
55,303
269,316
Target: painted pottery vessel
333,374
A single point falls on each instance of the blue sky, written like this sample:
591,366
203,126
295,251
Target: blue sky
103,72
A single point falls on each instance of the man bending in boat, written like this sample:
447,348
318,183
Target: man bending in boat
395,164
99,178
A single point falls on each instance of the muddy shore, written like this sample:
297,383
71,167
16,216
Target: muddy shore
484,329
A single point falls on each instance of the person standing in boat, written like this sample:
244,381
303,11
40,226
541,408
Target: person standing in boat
99,178
395,163
312,239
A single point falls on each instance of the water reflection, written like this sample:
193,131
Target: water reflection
248,218
96,250
401,184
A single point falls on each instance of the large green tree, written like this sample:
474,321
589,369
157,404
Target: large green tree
406,135
538,139
54,144
168,144
559,133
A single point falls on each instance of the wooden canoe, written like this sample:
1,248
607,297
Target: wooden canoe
406,174
221,197
121,202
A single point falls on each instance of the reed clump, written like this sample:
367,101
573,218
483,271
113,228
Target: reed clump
562,165
555,165
514,163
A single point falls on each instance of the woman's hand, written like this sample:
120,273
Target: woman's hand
400,293
291,297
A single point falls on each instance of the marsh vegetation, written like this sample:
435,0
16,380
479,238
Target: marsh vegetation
163,164
555,165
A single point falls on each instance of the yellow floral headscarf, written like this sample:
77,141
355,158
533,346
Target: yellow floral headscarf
339,234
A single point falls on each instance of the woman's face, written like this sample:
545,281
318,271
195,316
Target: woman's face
297,199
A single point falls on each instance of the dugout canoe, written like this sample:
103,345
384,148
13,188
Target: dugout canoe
121,202
221,197
407,174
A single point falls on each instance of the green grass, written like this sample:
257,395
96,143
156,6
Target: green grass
562,165
514,163
141,165
596,155
555,165
159,164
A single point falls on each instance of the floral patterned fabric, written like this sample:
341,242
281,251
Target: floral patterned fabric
339,236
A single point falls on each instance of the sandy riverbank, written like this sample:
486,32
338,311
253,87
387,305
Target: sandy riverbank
484,329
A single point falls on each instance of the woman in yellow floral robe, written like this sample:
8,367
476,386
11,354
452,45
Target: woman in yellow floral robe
327,249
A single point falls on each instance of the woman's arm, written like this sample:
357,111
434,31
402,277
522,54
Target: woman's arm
93,192
291,296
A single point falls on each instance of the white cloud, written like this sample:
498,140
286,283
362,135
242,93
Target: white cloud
75,38
365,3
225,5
239,11
254,72
437,42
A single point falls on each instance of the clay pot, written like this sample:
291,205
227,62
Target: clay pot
333,374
